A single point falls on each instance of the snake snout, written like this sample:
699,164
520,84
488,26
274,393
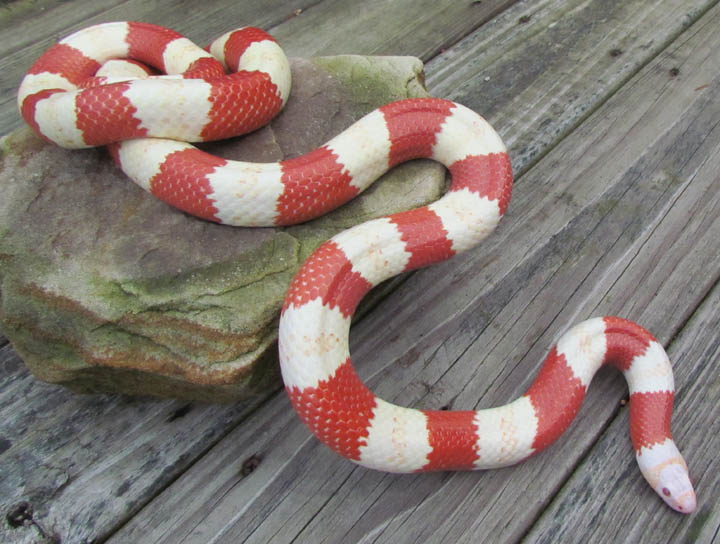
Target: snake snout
676,489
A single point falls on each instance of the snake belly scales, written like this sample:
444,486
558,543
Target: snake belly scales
82,93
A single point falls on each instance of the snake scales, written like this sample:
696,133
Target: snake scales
78,94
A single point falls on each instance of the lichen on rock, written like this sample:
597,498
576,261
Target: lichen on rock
103,288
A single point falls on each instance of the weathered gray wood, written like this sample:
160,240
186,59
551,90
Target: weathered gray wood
580,56
80,461
651,250
348,499
79,511
304,28
420,28
75,511
26,36
696,352
585,226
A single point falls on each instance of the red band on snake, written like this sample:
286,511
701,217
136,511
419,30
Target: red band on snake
79,95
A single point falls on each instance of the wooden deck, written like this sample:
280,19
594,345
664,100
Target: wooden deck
611,111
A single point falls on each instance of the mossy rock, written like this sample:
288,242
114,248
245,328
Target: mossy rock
106,289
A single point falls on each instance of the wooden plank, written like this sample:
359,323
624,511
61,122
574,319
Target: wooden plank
696,352
545,99
75,511
319,28
26,37
85,462
63,505
446,508
580,227
653,288
420,28
646,240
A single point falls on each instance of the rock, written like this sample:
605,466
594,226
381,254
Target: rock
106,289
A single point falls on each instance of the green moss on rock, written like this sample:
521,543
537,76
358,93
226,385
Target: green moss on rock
106,289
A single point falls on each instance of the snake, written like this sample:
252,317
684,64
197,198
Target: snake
146,92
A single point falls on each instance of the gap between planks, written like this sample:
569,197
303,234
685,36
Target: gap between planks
307,523
322,28
210,443
693,396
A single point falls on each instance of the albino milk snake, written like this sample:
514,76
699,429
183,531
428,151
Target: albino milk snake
77,96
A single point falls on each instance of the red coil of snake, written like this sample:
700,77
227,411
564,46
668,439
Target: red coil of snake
76,95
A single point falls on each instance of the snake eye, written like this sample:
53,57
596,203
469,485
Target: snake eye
666,491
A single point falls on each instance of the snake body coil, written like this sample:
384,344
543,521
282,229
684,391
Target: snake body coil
79,95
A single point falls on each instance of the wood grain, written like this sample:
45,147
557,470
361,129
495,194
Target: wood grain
588,232
542,78
619,217
696,353
83,462
81,511
420,28
26,37
303,27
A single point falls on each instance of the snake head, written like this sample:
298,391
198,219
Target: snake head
675,488
666,471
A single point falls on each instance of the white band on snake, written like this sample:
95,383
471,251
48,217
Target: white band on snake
78,95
